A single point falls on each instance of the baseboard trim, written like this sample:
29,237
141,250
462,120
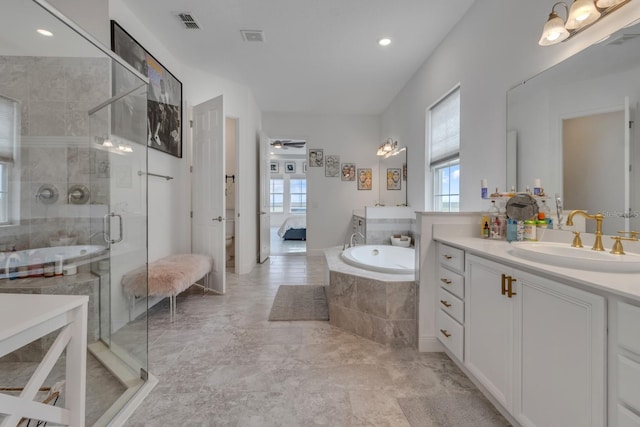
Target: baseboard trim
430,345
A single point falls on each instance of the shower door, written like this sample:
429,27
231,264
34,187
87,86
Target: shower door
119,221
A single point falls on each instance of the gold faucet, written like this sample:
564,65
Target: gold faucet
597,245
617,248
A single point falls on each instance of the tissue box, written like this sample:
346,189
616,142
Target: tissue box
403,241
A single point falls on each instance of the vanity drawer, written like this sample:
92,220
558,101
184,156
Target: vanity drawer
626,418
453,282
629,382
628,321
450,333
451,304
451,257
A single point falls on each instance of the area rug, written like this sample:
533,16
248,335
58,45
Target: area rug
456,410
300,302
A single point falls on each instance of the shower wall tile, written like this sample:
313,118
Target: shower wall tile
76,118
12,77
46,118
46,79
87,79
46,165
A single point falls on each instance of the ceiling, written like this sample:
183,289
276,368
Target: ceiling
318,56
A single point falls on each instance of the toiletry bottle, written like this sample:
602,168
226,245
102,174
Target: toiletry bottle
12,264
35,265
544,212
530,230
484,189
485,230
496,229
49,267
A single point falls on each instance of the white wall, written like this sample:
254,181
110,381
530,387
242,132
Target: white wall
330,201
492,48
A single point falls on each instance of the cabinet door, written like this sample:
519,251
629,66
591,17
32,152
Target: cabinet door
560,359
489,328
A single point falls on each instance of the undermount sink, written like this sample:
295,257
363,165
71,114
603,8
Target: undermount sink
564,255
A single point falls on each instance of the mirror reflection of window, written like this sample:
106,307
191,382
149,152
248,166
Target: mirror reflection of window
9,119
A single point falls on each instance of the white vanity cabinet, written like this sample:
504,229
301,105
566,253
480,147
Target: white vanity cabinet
537,345
625,365
450,311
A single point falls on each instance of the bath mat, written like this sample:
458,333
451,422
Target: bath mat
300,302
458,410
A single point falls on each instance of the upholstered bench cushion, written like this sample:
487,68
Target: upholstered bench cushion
167,276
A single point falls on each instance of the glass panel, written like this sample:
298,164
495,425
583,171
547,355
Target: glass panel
65,193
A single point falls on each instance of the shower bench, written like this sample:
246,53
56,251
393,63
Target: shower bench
167,277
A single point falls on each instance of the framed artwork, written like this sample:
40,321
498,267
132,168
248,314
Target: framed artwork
394,181
290,167
364,179
348,171
164,97
304,167
316,158
274,166
332,165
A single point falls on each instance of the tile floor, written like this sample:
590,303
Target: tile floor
286,247
222,363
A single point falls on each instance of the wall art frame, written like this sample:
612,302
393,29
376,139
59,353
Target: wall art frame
164,97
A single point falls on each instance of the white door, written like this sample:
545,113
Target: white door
208,223
264,213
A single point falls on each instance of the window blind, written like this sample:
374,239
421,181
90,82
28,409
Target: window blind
8,120
445,129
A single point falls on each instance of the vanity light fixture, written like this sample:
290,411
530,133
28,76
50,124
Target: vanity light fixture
581,15
44,32
388,146
394,152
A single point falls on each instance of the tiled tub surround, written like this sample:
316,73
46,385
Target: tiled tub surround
54,95
379,231
378,306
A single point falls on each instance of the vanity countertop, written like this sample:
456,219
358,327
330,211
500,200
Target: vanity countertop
622,284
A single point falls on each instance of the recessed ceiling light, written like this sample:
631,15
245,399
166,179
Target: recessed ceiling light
45,32
385,41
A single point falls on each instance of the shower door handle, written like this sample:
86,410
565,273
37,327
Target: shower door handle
107,227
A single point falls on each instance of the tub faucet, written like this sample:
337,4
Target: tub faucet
353,236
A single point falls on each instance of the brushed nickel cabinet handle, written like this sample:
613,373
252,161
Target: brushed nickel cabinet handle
445,333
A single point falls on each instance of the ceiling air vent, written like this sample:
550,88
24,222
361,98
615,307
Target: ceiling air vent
252,35
187,20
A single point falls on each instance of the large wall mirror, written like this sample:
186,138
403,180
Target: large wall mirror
393,179
570,127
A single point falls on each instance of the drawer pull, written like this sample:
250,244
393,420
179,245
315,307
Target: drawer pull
445,333
445,303
504,284
445,281
447,256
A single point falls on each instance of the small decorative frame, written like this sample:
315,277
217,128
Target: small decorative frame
316,158
365,179
348,171
274,166
332,165
394,180
289,167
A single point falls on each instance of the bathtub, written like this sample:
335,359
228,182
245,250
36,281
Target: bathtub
382,258
79,254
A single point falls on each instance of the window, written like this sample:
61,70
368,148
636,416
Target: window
8,136
298,195
444,159
276,195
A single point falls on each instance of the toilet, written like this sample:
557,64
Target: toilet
229,238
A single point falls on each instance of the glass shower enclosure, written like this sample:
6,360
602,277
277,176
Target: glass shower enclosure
73,196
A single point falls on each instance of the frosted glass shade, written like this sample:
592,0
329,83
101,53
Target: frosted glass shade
553,31
582,13
602,4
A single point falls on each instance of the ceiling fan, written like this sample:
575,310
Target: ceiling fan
288,143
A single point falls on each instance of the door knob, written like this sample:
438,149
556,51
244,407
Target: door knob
219,219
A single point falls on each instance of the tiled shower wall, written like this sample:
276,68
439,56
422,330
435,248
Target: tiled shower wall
379,231
55,95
